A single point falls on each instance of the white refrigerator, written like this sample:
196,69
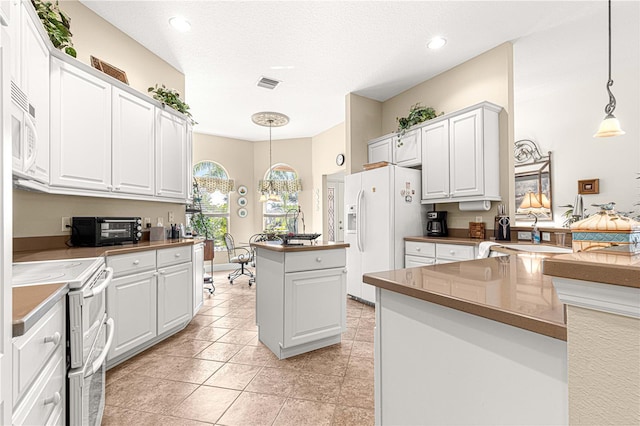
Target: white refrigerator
382,206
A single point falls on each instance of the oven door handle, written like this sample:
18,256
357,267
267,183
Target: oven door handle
97,364
95,291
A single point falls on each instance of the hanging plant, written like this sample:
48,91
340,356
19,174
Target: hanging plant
57,24
417,114
171,97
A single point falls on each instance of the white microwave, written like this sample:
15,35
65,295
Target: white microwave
24,137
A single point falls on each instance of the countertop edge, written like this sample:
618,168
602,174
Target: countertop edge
528,323
22,325
293,248
584,270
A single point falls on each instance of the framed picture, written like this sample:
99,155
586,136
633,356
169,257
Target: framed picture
589,186
242,201
242,190
242,212
109,69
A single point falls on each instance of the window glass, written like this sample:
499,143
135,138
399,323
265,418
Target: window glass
215,205
275,209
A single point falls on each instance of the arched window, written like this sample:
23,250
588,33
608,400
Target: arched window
214,186
283,198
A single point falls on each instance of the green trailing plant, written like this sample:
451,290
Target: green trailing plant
57,24
569,217
202,225
417,114
171,97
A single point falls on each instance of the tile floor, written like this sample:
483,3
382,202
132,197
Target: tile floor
216,371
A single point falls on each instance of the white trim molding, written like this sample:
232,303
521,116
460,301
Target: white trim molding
614,299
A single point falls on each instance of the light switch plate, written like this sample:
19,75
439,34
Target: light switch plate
546,236
524,235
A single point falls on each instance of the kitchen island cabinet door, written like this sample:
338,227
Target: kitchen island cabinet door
133,144
175,300
171,156
80,129
315,306
131,302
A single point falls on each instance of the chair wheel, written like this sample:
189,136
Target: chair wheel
231,282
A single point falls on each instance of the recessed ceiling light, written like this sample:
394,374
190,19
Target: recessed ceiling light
436,43
180,24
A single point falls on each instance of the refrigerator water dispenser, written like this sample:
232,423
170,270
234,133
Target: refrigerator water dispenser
351,219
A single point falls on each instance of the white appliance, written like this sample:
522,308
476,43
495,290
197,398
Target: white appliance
382,207
23,134
90,332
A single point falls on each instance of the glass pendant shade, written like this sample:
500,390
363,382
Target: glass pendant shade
610,126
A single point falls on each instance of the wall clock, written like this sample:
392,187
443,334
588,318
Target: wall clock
340,159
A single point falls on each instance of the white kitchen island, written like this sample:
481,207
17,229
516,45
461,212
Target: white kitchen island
301,296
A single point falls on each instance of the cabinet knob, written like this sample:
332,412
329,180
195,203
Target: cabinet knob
55,399
344,271
318,259
452,252
177,254
162,272
136,262
55,339
417,248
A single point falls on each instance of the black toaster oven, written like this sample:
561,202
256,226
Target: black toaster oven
105,231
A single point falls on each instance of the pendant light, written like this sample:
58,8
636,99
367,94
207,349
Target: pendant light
610,126
267,187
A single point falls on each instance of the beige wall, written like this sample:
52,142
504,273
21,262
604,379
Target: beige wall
487,77
324,149
604,368
36,214
92,35
236,156
363,118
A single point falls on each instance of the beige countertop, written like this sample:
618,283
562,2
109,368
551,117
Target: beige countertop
602,266
277,246
82,252
31,302
509,289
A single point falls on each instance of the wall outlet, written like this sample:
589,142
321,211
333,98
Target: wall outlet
170,217
479,219
159,221
66,224
524,235
146,222
546,236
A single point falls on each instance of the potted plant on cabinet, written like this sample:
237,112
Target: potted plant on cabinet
57,24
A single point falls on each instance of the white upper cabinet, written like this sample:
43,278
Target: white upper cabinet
171,156
80,128
133,127
460,156
380,150
407,148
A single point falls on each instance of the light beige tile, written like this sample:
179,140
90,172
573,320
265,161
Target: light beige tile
273,381
353,312
253,355
252,409
367,322
248,325
233,376
229,322
115,416
362,349
186,348
296,412
203,320
368,312
364,334
342,348
349,334
218,351
317,387
243,312
360,368
206,404
193,370
147,393
356,393
294,363
327,363
209,333
239,337
353,322
353,416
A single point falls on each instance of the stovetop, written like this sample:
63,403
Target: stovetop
73,271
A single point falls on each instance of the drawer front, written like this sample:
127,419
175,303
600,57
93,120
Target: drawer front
133,263
46,396
420,249
32,350
418,261
455,252
312,260
173,256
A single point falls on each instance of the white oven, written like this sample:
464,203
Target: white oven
89,330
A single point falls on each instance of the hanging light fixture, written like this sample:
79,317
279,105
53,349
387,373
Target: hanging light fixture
610,126
268,188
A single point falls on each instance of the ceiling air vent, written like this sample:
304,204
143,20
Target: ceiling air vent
268,83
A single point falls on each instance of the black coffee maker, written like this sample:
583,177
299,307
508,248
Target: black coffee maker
437,224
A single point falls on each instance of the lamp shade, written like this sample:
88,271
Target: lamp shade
530,201
545,201
610,126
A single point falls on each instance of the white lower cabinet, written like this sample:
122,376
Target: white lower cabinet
39,370
150,297
419,253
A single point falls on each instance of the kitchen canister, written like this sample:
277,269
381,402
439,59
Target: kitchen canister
605,229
